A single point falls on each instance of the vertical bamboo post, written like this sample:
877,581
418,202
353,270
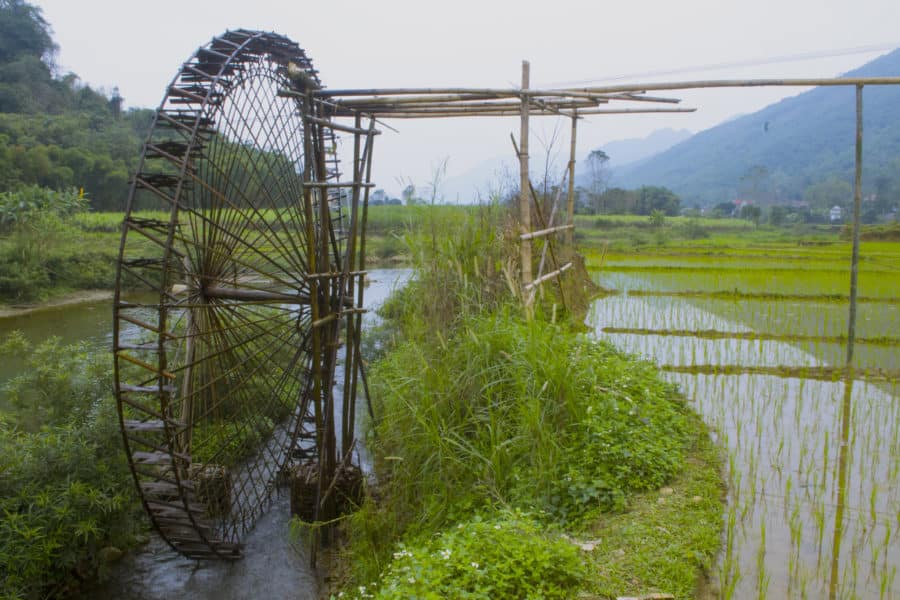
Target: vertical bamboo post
857,202
524,181
842,474
570,197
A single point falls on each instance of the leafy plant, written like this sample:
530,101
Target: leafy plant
505,557
65,487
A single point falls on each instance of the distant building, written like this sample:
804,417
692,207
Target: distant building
836,214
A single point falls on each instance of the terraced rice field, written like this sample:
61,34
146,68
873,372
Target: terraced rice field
756,339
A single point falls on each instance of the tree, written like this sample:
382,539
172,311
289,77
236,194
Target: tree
24,32
657,219
724,209
777,215
652,198
831,192
597,163
752,213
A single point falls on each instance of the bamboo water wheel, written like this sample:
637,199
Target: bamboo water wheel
234,310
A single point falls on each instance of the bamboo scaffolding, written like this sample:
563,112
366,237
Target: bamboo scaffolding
618,92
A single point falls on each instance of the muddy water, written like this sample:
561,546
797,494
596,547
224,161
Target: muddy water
274,566
786,534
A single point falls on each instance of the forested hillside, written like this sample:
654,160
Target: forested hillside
56,131
799,148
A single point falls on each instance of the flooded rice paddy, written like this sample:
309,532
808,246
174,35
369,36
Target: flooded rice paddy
812,461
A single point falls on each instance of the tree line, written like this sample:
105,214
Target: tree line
56,131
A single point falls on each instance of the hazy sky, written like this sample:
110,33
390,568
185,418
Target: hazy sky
138,46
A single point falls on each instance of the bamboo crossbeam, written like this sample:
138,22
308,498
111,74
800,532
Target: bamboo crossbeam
336,184
438,114
732,83
548,276
448,94
545,232
253,295
339,127
498,103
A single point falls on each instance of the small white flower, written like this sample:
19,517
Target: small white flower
497,527
411,580
445,553
474,565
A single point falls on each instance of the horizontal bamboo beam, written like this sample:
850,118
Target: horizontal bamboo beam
549,275
737,83
413,95
496,104
450,112
253,295
339,127
544,232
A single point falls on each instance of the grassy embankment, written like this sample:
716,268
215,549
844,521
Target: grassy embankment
518,458
52,256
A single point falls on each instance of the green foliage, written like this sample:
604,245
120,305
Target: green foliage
505,557
44,251
34,202
65,488
54,131
657,218
58,383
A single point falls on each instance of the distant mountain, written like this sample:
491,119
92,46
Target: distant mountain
502,173
779,151
625,153
479,182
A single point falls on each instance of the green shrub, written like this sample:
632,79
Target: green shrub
65,488
506,557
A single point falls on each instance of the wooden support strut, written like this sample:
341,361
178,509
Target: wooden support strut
544,232
524,181
548,276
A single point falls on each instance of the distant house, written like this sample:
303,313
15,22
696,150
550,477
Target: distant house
378,197
835,215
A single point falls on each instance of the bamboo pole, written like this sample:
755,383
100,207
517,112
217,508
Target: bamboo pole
570,194
857,203
413,95
619,92
544,232
524,180
450,112
549,276
498,104
736,83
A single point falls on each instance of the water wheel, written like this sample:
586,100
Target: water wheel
239,278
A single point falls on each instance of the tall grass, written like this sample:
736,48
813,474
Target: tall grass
481,411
